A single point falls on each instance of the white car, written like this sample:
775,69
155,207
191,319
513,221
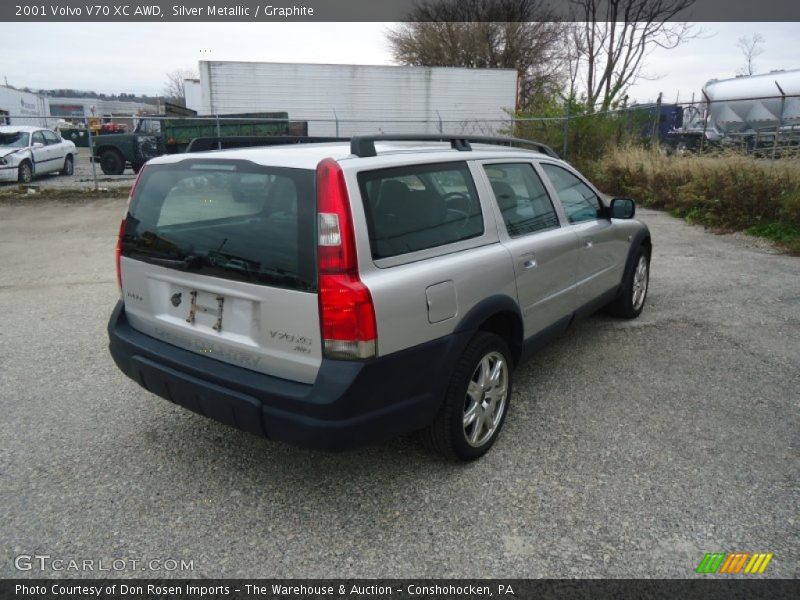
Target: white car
26,152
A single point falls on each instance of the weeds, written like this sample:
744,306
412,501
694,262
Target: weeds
724,192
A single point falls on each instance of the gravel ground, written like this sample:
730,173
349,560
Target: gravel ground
632,447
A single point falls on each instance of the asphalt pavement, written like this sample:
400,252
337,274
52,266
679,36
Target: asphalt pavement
632,447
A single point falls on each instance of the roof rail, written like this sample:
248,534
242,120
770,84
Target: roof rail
203,144
364,145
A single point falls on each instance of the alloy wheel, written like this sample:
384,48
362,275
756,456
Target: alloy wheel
485,401
641,278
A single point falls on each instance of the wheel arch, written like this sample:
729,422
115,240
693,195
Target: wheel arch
500,315
105,147
32,163
640,239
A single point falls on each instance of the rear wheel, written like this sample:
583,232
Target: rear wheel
25,172
476,402
630,302
69,166
112,163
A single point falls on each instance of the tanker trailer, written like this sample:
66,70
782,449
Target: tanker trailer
745,111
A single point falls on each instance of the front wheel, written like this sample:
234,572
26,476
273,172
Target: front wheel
112,163
630,302
476,401
25,172
69,166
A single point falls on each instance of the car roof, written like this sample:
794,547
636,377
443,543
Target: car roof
307,156
20,128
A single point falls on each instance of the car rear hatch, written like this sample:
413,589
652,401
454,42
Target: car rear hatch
218,256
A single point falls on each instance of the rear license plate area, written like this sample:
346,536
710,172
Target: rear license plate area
199,308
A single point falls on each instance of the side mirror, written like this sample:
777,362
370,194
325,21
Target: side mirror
38,145
622,208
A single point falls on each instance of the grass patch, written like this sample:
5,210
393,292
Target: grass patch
783,234
726,192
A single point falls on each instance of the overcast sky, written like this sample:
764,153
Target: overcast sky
119,57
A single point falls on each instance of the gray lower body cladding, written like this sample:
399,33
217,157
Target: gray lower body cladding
350,404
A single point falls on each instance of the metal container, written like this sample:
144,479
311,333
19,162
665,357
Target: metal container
754,104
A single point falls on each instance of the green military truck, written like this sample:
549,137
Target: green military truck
155,136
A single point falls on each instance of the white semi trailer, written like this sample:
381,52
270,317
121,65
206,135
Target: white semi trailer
346,100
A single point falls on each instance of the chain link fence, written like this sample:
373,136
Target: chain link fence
767,126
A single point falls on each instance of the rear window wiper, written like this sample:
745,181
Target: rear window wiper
184,263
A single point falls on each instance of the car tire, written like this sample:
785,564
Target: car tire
112,163
25,172
476,402
635,283
69,166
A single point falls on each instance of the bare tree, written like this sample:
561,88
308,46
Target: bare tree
175,86
750,47
513,34
612,39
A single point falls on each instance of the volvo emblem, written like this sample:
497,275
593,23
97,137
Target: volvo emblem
176,299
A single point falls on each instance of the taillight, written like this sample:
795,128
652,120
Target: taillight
119,254
122,229
347,315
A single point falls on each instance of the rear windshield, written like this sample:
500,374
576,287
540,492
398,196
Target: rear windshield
225,218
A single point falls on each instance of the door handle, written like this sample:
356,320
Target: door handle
529,264
589,243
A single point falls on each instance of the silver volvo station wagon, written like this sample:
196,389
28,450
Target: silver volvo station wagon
337,294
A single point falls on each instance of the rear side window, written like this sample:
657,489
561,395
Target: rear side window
522,198
229,219
419,207
579,201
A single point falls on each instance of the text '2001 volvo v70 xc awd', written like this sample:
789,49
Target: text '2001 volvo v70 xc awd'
336,294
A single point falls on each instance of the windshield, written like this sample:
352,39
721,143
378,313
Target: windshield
14,139
226,218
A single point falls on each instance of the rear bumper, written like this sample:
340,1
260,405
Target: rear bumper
351,403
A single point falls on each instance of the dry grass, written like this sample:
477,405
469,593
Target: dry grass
726,192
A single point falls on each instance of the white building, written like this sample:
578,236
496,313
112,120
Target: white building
350,99
29,108
91,107
21,108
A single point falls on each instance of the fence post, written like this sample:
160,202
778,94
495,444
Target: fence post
780,121
336,118
91,152
219,134
565,132
440,122
656,120
705,120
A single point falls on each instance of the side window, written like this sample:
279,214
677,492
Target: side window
419,207
50,137
522,198
579,201
150,126
38,138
